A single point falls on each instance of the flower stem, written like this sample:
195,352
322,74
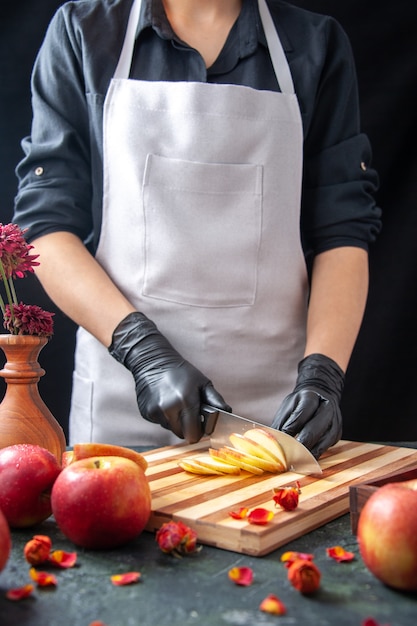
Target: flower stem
8,292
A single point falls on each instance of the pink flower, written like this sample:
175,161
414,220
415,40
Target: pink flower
28,319
14,252
15,262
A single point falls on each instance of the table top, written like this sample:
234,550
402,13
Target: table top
195,590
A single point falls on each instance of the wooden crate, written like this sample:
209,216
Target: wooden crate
359,494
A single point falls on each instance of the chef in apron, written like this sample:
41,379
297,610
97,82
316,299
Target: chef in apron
202,190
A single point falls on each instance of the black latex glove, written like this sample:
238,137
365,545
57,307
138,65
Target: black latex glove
169,389
312,411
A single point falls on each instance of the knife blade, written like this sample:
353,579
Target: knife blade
220,425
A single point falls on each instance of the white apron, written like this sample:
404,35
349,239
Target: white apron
201,232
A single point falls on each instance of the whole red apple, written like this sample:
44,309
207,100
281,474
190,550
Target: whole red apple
387,534
101,502
5,541
27,473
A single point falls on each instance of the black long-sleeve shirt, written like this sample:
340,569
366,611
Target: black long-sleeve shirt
61,179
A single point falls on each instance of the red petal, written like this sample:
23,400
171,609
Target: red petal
42,579
241,576
20,592
289,557
272,604
339,554
63,559
125,579
260,516
97,622
240,514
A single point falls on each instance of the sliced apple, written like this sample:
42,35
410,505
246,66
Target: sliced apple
235,457
87,450
264,464
268,441
193,467
208,461
255,449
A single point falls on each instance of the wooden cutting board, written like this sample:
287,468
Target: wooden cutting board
204,502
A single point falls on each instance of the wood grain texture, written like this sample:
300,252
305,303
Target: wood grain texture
204,502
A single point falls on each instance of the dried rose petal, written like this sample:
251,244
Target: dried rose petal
240,514
371,622
304,576
272,604
19,593
260,516
241,576
125,579
339,554
97,622
37,550
176,538
63,559
287,497
42,579
289,557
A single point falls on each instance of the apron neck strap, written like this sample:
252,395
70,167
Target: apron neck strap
279,60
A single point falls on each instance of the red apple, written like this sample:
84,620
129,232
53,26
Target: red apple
387,534
5,541
27,473
101,502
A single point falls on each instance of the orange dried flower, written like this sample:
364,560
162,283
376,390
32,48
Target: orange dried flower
287,497
240,513
260,516
304,575
272,604
125,579
43,579
241,576
19,593
339,554
37,550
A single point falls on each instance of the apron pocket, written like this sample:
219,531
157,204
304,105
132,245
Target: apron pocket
202,234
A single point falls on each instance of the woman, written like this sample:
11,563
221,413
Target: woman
172,148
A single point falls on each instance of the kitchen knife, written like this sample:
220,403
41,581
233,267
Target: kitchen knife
220,425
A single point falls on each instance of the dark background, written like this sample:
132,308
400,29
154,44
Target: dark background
378,401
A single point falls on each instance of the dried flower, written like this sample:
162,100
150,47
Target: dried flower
304,576
287,497
15,262
242,576
177,539
37,550
273,605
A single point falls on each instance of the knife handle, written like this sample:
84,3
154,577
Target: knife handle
209,415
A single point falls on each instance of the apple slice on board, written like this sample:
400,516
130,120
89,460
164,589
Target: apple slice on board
235,457
266,459
86,450
267,441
